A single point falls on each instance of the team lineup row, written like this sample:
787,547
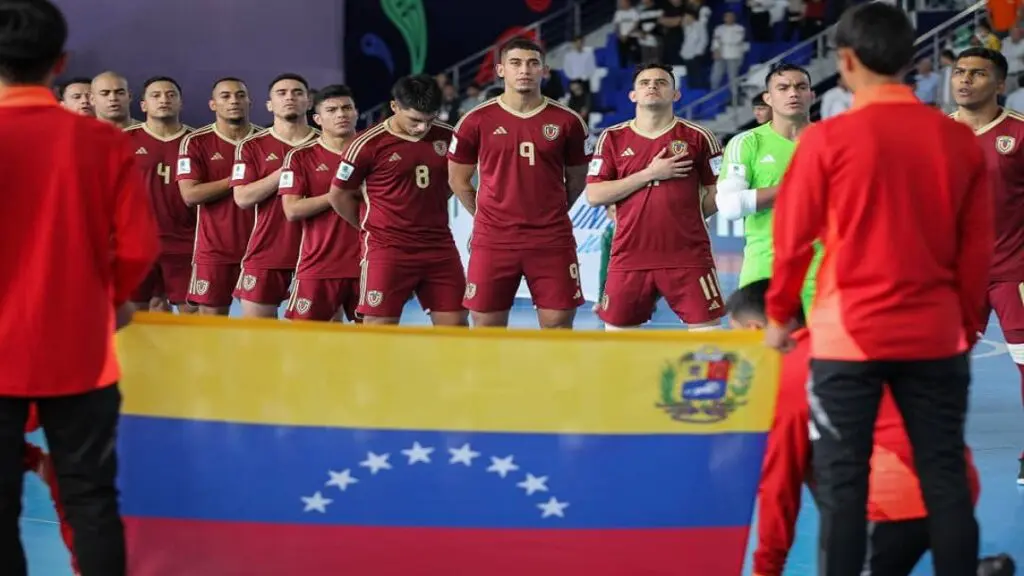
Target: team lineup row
339,224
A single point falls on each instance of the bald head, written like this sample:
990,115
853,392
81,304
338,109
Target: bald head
111,98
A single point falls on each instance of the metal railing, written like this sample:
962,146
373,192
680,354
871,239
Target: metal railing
578,18
935,40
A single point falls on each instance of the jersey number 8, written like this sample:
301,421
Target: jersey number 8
422,176
526,150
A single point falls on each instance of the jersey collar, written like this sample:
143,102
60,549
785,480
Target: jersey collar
883,94
26,96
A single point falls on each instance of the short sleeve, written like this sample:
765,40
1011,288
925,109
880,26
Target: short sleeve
602,164
356,164
293,180
735,166
245,170
191,164
577,136
711,162
465,145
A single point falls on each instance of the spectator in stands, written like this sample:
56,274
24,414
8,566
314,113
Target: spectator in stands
579,63
579,100
762,111
1013,50
450,105
946,102
671,23
728,46
836,100
760,20
649,39
442,80
551,85
694,50
814,17
626,22
794,19
926,84
984,34
1015,101
472,99
700,11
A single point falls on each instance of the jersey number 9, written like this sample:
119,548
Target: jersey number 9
164,171
526,150
422,177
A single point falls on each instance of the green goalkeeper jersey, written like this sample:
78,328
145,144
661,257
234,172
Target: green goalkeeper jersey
759,157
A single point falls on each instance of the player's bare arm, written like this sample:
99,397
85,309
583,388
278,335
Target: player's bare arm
662,167
346,204
575,181
249,195
195,193
297,208
708,202
460,179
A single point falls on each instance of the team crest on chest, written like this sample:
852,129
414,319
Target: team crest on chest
440,147
1005,144
551,131
678,147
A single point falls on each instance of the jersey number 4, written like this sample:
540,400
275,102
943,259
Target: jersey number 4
164,171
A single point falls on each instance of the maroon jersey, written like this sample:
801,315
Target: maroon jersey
156,157
521,199
1003,143
222,228
406,195
274,243
330,247
662,224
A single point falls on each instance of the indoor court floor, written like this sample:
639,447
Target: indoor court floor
995,432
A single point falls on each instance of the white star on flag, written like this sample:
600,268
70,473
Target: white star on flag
534,484
341,479
553,508
502,466
418,453
376,462
316,503
462,455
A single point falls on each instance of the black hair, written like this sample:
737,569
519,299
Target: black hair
750,301
332,91
288,76
62,87
652,66
758,101
947,53
994,56
984,24
880,35
32,38
228,79
155,79
520,44
780,68
419,92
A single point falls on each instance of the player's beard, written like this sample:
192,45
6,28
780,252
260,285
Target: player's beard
235,121
291,116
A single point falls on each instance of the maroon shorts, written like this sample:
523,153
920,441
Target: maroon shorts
268,287
630,295
389,283
552,275
170,278
212,284
1007,299
151,287
321,298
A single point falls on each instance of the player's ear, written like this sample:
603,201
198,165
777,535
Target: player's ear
676,95
142,106
632,96
213,105
499,69
270,108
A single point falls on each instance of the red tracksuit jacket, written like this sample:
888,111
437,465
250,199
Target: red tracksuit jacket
894,490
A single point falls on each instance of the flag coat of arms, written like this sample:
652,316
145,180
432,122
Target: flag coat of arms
273,449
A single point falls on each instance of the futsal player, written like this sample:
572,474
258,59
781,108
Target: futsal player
908,315
979,77
752,170
327,274
532,161
659,173
111,99
273,247
76,95
396,174
156,143
759,106
204,173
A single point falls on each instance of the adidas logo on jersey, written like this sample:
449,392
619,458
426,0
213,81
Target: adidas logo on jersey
714,306
322,168
216,156
141,150
394,157
769,159
500,130
271,157
628,152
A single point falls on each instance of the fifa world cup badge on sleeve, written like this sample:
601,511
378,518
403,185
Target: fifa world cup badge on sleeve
184,166
239,172
595,167
452,146
287,179
716,165
345,171
705,386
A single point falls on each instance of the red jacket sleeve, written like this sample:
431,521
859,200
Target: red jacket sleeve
974,257
135,238
800,217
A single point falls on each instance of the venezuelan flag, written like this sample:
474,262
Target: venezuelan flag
266,448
